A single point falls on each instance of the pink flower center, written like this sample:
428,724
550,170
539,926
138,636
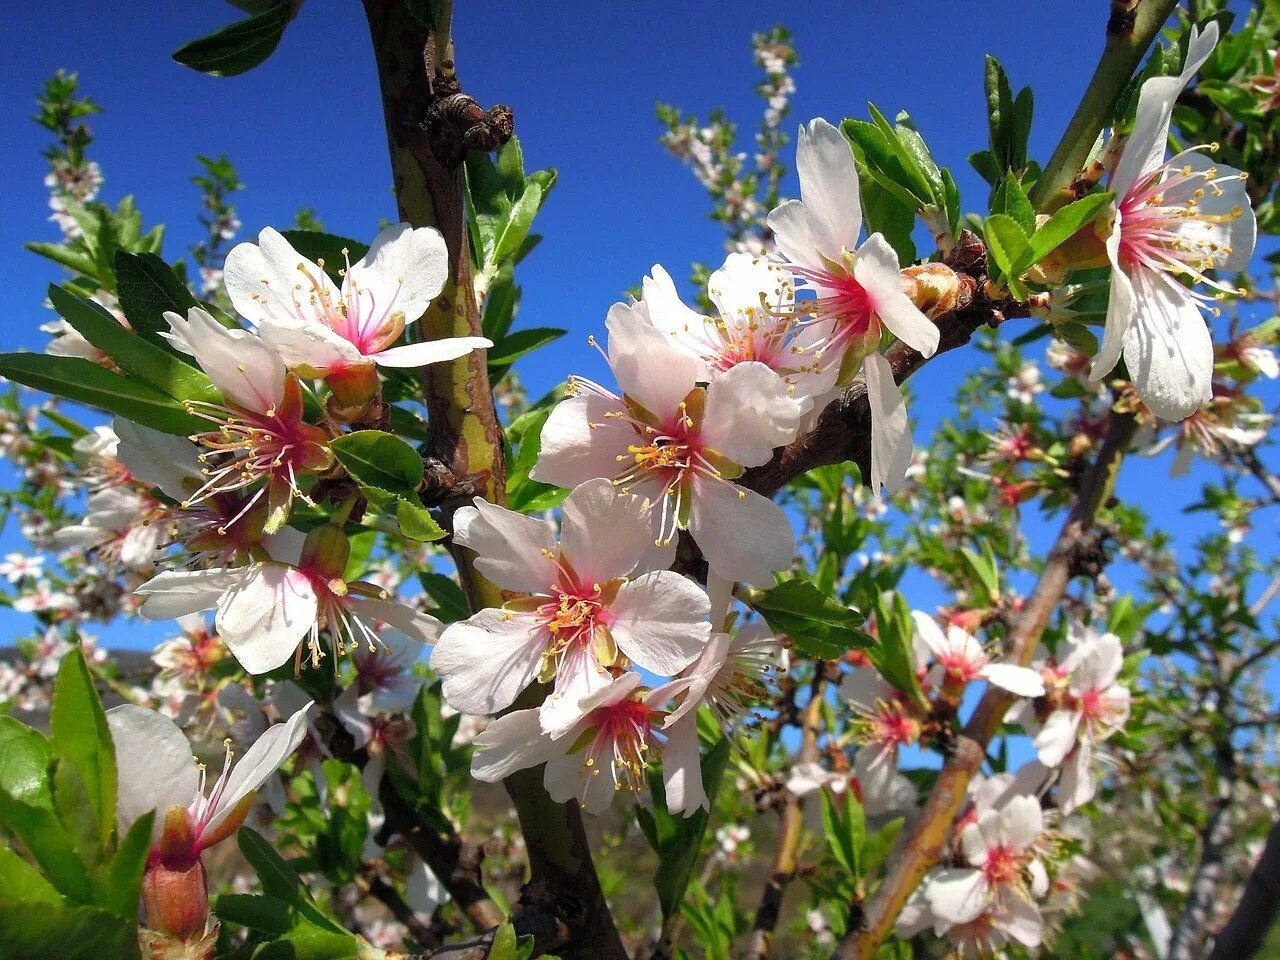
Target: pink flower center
842,299
1003,867
622,734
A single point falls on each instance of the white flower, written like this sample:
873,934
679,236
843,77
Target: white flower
587,607
606,751
857,290
320,330
258,432
1092,707
962,659
680,446
268,611
123,524
756,322
999,848
156,772
19,566
1173,220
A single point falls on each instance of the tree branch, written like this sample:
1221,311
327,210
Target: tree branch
431,123
1249,926
923,848
790,829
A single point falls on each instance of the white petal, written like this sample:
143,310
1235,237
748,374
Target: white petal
744,536
1078,784
259,762
154,766
265,615
1102,664
877,271
1168,349
247,371
1021,822
749,413
648,367
682,769
659,620
928,630
423,890
510,743
890,430
578,677
514,551
604,532
1121,307
271,280
174,593
1233,226
1023,681
580,442
404,269
312,345
157,459
406,621
1057,737
432,351
487,660
805,778
794,235
829,187
956,895
1021,920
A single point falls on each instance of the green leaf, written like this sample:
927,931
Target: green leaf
886,214
504,942
24,763
1065,223
1007,244
911,156
518,223
254,911
238,47
510,348
326,247
280,881
19,880
77,813
378,459
124,875
984,571
416,523
450,602
83,381
79,733
877,846
677,840
1011,199
147,287
74,260
880,155
50,847
891,656
132,353
43,931
817,624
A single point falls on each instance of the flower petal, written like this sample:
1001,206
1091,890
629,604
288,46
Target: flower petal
829,187
749,414
488,659
516,552
1168,349
432,351
1022,681
173,593
270,280
649,368
877,272
582,439
155,769
604,532
404,269
510,743
744,536
891,445
659,620
265,615
957,895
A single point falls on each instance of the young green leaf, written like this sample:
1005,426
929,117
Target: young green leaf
415,522
238,47
1008,246
43,931
19,880
147,287
79,734
378,459
1065,223
817,624
24,763
123,885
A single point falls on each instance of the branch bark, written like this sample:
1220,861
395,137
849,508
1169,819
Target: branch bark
923,848
1250,925
430,125
783,870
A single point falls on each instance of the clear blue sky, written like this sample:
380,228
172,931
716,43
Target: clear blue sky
583,77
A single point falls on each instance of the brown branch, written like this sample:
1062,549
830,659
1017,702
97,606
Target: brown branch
923,848
1254,916
783,870
371,882
431,123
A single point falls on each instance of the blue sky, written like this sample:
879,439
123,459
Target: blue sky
306,128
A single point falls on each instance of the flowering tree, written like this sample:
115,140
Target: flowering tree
759,675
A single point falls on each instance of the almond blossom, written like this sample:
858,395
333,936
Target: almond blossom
269,612
1172,221
1090,707
961,659
258,431
679,446
606,751
756,321
156,773
857,290
1003,868
590,608
341,335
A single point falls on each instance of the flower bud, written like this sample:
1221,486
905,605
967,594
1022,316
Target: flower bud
176,900
326,551
936,289
355,386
